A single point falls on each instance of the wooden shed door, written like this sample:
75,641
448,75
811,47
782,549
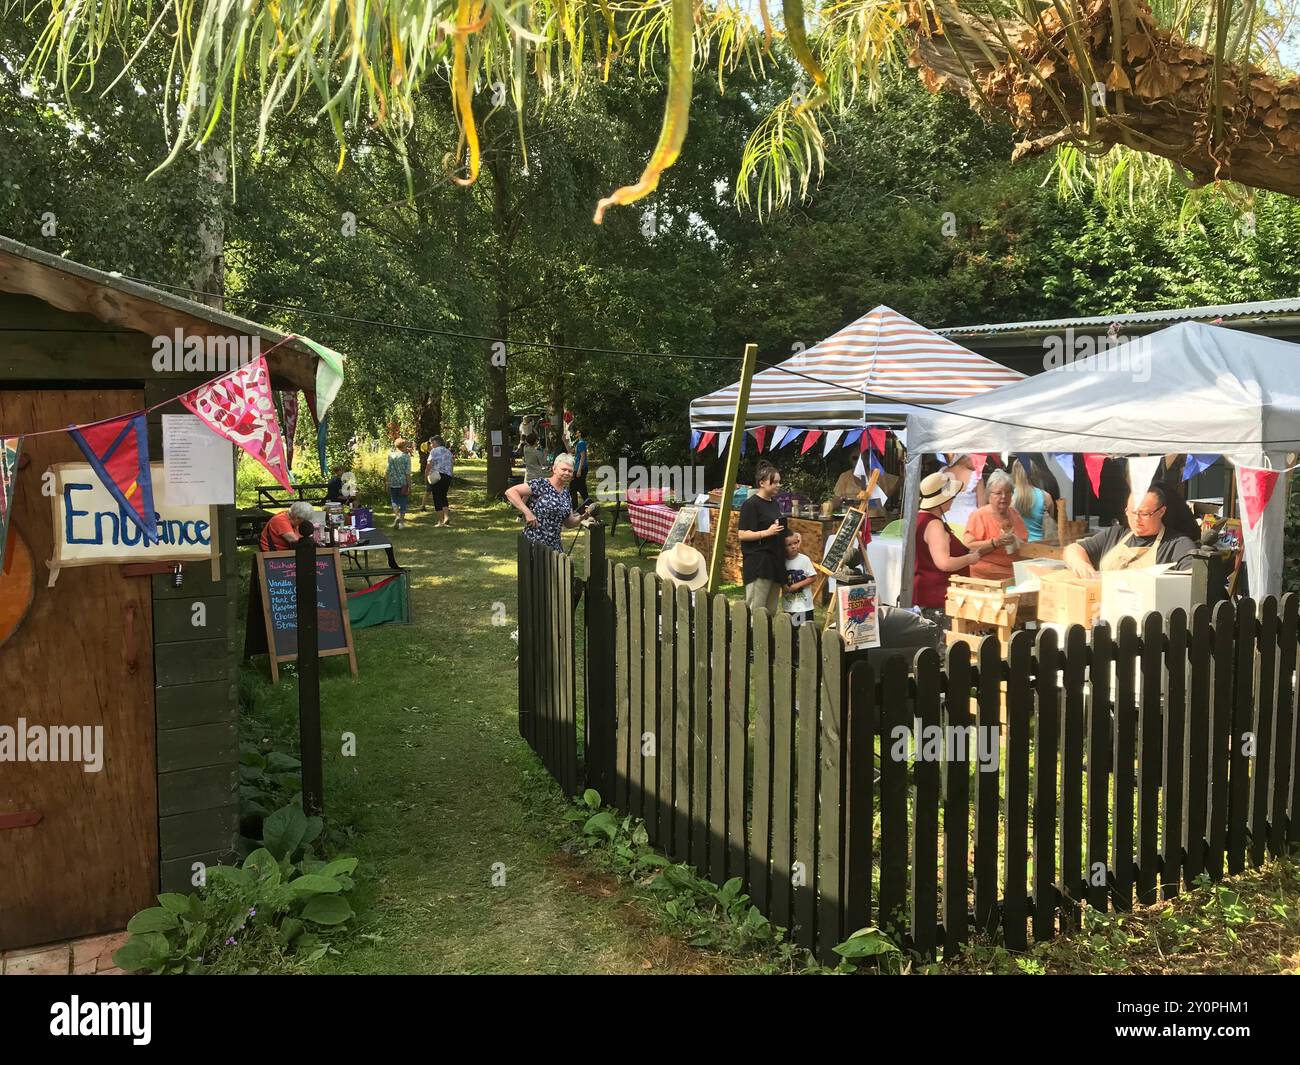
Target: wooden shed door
83,656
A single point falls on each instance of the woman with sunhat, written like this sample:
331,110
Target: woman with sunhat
939,553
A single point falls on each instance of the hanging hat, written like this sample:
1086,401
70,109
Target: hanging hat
682,564
937,489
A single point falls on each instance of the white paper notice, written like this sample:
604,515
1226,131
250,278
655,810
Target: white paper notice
199,467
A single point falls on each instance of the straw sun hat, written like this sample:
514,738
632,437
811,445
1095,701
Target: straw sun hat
683,565
937,489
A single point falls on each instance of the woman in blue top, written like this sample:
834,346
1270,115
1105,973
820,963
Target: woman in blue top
440,463
544,503
1029,501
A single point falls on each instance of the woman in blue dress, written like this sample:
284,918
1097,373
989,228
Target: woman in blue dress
545,504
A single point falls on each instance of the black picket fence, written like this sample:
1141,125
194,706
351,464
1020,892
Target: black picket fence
945,794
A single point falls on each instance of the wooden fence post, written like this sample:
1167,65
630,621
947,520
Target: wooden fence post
598,617
309,742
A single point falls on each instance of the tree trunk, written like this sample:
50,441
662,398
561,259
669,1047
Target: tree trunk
557,400
1144,87
428,420
210,275
497,418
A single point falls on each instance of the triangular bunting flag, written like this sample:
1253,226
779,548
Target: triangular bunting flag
877,440
1255,486
1196,464
978,460
760,437
118,451
744,439
853,436
329,375
291,428
901,436
238,406
832,438
1092,463
695,439
859,471
778,436
722,441
875,462
11,449
1141,471
1066,461
705,440
809,440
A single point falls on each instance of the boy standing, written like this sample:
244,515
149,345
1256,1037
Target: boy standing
799,577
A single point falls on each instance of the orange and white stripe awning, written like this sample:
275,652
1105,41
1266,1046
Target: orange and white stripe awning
867,373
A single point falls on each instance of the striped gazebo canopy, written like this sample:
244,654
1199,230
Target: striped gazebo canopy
866,374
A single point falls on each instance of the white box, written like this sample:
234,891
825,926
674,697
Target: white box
1026,572
1136,592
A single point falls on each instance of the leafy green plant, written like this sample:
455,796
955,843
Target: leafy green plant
267,781
269,912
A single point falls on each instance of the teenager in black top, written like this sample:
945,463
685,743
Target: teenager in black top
761,529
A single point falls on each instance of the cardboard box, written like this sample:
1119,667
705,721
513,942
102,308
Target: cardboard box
1136,592
1069,600
857,615
1028,574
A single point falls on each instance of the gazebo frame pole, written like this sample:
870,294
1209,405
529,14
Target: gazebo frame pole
733,468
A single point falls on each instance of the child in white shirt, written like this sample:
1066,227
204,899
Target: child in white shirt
797,600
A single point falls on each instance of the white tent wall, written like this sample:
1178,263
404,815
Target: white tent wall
1190,388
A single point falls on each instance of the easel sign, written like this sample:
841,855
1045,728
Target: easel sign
274,589
683,523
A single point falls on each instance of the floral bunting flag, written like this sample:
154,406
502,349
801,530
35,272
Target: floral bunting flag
239,407
11,449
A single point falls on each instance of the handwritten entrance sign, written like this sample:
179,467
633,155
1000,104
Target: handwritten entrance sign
275,586
91,530
683,524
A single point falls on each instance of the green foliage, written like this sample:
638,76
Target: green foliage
273,912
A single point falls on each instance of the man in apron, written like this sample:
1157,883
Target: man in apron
1143,542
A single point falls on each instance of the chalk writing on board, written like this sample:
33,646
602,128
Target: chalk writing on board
846,536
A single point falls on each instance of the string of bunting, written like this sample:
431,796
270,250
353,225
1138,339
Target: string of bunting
237,405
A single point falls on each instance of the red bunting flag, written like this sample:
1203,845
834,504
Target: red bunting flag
118,451
811,438
1255,486
239,407
705,440
760,437
1092,463
877,440
978,460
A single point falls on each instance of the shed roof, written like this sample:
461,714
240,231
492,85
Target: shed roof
120,302
1239,314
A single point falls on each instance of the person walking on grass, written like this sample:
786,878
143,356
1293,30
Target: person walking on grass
399,479
761,529
438,475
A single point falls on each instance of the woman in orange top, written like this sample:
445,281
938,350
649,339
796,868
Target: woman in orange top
991,525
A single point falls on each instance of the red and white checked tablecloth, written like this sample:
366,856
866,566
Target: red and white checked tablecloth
651,521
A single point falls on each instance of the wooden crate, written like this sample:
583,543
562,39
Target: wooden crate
977,608
1069,600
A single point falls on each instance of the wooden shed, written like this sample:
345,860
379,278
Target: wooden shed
82,851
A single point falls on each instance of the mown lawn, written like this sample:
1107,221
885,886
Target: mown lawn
442,788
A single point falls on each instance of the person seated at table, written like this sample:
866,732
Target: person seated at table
939,554
283,530
544,502
334,491
1029,501
1143,542
997,525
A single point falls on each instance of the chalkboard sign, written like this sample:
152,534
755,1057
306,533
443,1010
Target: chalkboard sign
683,523
275,587
841,548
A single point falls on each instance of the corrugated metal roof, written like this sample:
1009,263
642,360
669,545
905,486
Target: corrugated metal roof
1226,312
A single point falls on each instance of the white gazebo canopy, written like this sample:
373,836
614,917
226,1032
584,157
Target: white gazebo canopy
1189,388
869,373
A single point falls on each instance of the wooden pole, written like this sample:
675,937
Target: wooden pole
733,468
309,741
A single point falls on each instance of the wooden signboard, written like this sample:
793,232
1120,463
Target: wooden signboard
91,530
683,523
845,538
274,590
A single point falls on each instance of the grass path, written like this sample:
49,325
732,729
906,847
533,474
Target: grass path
442,788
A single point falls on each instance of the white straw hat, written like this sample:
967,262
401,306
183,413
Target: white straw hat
937,489
682,564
